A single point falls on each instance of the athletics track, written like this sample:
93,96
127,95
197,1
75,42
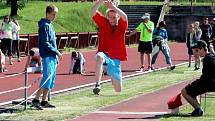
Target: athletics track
68,82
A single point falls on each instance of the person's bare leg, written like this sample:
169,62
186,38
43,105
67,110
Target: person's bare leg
198,61
142,59
189,61
10,60
39,92
117,85
149,55
45,93
99,67
193,101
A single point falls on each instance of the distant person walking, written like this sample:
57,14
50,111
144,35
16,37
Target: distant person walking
111,48
50,55
145,44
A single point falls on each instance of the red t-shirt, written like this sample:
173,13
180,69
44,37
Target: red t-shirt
112,43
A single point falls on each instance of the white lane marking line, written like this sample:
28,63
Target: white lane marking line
11,75
133,113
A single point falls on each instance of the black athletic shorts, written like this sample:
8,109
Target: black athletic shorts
145,47
199,87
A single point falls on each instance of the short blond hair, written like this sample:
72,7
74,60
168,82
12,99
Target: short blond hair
51,8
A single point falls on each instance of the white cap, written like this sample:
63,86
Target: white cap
146,16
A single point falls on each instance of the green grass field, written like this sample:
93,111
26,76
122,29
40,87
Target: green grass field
74,104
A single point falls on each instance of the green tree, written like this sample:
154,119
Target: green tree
15,6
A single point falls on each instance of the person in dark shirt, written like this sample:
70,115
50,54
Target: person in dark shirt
206,83
213,33
206,32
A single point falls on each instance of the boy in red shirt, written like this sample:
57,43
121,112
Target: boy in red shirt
111,48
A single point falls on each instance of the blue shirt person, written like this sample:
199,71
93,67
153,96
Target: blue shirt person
49,54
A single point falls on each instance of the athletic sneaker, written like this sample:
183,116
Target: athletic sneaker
18,60
97,88
149,68
46,104
142,68
153,68
105,73
11,62
196,68
172,67
36,104
197,112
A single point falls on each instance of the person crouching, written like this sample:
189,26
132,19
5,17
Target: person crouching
77,63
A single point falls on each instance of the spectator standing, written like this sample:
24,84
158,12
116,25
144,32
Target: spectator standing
206,32
7,28
50,55
162,41
213,33
16,38
193,35
145,44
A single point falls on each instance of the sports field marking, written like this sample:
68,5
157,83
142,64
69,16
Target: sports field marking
131,113
11,75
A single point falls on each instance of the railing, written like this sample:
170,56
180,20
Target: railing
74,40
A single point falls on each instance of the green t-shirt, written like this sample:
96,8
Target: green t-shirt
145,36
